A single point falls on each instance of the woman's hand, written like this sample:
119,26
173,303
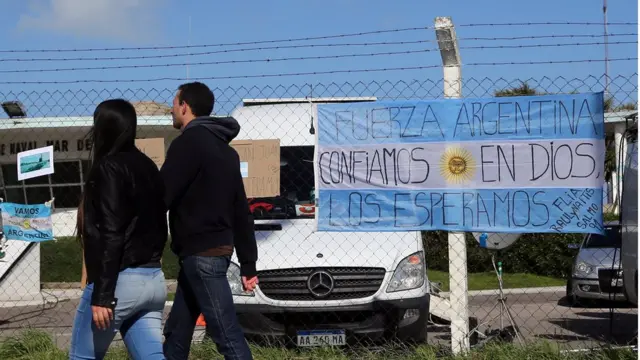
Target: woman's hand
102,317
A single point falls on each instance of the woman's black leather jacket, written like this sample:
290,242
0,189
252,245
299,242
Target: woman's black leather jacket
125,221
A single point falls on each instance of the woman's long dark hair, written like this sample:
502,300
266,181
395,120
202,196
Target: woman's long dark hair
114,130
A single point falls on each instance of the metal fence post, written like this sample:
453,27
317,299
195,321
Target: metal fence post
458,290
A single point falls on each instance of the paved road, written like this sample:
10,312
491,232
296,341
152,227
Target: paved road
539,316
546,316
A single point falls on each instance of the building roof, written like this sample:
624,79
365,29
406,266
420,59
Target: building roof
318,100
73,121
618,116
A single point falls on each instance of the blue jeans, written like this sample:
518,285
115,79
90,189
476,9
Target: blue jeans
141,294
203,288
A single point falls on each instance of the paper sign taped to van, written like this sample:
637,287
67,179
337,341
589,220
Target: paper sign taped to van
153,148
260,161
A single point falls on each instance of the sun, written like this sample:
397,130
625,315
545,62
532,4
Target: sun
457,165
26,224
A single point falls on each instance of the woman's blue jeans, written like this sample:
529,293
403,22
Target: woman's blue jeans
141,294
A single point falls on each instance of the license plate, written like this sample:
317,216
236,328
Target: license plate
617,282
321,338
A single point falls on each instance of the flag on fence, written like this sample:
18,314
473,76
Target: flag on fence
26,222
512,164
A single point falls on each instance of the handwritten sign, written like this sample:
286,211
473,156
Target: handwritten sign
512,164
26,222
153,148
260,166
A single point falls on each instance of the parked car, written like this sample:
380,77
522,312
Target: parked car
629,206
596,273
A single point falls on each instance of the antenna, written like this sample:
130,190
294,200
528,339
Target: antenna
606,49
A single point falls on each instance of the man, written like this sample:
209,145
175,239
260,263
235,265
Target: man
208,216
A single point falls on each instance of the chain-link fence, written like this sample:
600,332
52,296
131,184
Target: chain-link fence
564,288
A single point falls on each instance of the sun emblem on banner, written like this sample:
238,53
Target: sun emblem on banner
457,165
26,224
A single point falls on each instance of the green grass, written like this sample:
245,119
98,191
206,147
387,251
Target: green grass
487,281
62,262
37,345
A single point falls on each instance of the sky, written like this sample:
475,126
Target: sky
80,24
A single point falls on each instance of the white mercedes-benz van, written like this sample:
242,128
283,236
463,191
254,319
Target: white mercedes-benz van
321,288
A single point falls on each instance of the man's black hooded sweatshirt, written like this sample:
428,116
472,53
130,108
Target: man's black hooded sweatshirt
205,193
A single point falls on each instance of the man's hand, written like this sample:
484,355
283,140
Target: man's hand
249,284
102,317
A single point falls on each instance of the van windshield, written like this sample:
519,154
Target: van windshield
296,200
612,238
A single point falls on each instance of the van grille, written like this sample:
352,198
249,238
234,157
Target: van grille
349,283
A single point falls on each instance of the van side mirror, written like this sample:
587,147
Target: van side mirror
573,246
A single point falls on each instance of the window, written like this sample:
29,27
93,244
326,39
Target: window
296,198
66,172
38,194
612,238
10,174
67,196
14,195
86,166
65,184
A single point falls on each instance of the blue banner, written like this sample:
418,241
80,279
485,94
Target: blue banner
26,222
509,164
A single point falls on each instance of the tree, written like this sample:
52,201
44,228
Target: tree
522,90
610,105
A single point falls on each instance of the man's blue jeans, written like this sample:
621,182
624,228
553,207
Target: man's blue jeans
203,288
141,295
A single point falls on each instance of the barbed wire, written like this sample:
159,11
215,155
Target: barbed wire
531,37
299,58
547,23
78,81
161,56
262,48
140,66
324,37
310,38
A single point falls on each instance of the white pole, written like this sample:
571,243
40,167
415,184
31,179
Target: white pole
458,288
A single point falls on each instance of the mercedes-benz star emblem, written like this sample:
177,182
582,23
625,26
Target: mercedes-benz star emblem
320,283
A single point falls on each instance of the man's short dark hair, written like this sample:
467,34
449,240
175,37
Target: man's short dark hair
198,96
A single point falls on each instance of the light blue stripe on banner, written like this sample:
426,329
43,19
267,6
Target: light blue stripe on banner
25,211
539,210
13,232
576,116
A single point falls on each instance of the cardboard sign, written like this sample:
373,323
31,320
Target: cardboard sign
153,148
260,166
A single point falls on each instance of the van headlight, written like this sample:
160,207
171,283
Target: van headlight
409,274
235,281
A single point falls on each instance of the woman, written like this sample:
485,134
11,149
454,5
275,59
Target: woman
123,228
